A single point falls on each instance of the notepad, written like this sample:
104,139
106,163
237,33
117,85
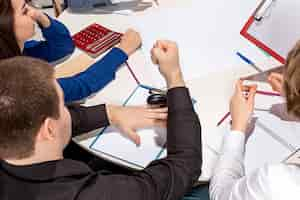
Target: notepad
113,143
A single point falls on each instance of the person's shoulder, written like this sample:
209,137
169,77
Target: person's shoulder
284,180
276,171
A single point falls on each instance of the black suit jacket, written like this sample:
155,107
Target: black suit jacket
169,178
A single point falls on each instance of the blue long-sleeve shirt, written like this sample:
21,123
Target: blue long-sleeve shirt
58,44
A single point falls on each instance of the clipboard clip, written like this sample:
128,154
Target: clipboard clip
264,10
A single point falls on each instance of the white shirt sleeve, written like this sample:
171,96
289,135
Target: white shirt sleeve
229,181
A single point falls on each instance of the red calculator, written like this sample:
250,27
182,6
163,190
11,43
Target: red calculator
96,39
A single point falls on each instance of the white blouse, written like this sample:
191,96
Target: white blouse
276,182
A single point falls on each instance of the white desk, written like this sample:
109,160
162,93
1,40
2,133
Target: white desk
212,92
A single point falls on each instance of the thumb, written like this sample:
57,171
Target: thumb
157,53
133,136
153,57
238,87
275,84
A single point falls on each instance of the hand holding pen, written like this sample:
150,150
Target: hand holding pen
257,92
242,105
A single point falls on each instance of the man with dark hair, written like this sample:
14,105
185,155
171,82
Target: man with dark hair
27,98
36,126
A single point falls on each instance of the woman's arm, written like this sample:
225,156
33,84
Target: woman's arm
57,44
96,77
102,72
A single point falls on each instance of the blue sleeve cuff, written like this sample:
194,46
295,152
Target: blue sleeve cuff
118,53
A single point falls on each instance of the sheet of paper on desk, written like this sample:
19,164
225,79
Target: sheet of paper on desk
271,139
207,40
196,49
112,143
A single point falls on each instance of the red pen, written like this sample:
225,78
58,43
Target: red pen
268,93
223,119
258,92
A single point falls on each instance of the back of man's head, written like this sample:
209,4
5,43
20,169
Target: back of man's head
27,97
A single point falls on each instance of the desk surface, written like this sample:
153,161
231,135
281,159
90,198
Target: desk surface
215,89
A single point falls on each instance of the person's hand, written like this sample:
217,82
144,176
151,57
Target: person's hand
38,16
165,54
276,81
241,106
130,118
130,41
280,111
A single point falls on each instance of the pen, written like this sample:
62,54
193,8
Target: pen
262,110
268,93
156,2
132,73
223,119
258,92
247,60
228,114
153,90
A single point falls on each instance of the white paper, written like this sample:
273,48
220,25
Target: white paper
207,35
113,143
280,28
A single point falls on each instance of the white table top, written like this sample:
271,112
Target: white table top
212,92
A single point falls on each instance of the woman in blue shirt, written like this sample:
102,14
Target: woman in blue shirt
17,26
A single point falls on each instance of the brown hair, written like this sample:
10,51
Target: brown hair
8,41
27,97
292,81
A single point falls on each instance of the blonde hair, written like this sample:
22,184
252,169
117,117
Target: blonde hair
292,81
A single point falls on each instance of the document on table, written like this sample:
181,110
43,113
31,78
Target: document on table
113,143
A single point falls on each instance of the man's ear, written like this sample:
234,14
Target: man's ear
47,130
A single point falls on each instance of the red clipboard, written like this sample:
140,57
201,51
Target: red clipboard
244,32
